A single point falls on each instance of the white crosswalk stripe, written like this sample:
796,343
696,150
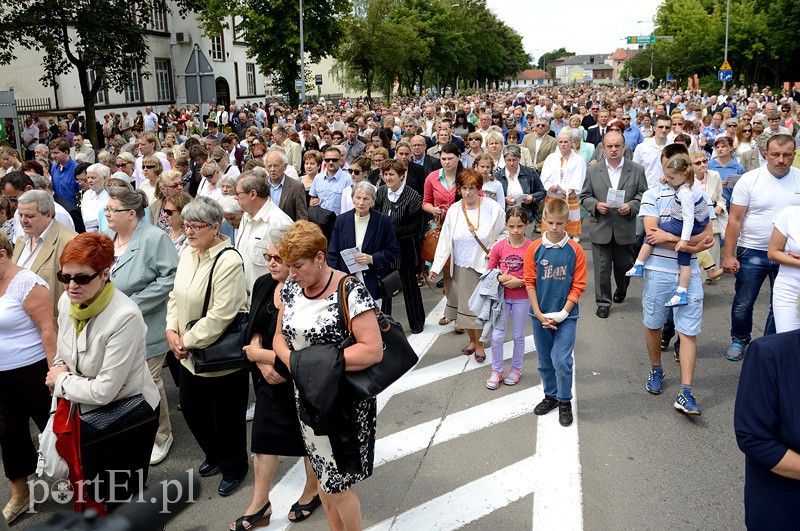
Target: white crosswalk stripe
552,474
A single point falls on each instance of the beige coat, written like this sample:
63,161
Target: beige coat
47,263
106,360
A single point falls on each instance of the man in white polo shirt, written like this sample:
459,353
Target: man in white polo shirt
758,197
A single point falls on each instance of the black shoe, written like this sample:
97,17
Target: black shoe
207,469
619,296
417,330
602,312
440,284
664,343
677,348
227,486
545,406
565,413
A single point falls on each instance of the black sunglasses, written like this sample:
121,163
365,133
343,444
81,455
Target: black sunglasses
331,160
168,211
80,280
356,172
148,167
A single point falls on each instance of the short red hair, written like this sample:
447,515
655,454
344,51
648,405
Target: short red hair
469,177
90,248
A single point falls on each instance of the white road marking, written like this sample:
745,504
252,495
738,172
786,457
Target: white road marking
552,474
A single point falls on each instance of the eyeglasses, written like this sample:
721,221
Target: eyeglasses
540,125
731,125
121,164
595,109
148,167
179,184
332,160
268,257
80,280
12,199
662,127
475,139
628,119
700,162
169,212
747,130
355,172
115,210
194,228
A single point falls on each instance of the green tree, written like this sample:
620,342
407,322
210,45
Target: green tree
272,31
552,55
104,37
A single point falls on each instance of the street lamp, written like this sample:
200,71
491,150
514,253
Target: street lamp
727,17
302,58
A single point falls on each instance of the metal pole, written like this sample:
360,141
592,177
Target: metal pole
727,18
652,56
302,58
196,53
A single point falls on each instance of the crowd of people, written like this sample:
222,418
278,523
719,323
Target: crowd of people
114,260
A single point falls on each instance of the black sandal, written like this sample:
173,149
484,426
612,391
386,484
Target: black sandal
309,508
259,519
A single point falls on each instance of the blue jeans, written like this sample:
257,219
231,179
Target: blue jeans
754,267
554,348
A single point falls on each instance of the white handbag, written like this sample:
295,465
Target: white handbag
50,465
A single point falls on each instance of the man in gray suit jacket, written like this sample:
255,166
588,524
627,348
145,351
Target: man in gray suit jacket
613,230
290,194
751,159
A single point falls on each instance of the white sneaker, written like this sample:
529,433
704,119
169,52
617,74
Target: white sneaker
160,451
251,412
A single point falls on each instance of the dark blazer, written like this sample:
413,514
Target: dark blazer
415,178
669,107
293,199
613,226
379,241
593,135
531,184
429,164
406,216
73,211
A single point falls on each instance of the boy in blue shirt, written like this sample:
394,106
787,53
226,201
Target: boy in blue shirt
555,277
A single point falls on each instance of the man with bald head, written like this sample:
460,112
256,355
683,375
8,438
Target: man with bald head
613,228
419,155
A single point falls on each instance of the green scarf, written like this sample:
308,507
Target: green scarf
81,314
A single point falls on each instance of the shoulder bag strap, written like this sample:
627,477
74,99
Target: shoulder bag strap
344,310
211,277
472,229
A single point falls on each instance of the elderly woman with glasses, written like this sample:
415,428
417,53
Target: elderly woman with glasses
213,403
512,139
711,183
100,359
144,267
371,232
521,184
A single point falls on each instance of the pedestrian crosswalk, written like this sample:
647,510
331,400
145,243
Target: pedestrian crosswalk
552,474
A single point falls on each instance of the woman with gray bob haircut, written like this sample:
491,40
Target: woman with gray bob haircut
203,210
366,187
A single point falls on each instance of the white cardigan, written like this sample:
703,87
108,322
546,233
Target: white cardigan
109,354
445,246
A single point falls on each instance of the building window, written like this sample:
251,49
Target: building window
238,33
251,78
134,90
217,48
101,98
163,79
159,18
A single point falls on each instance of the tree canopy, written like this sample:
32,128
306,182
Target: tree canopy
762,40
550,56
272,31
106,38
419,43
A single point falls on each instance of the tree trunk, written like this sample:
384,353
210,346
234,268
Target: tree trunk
88,94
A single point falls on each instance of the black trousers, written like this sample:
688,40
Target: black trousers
122,459
412,297
23,396
214,409
610,258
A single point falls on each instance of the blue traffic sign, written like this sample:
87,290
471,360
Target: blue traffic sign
725,75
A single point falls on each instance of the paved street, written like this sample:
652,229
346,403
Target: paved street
453,455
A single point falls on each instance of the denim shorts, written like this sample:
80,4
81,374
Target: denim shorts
658,289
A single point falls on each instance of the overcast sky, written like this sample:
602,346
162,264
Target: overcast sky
581,26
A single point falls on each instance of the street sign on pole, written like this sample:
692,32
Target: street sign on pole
199,78
298,85
318,79
642,39
726,66
725,75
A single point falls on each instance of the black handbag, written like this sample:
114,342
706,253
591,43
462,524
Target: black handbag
115,418
226,352
390,285
398,356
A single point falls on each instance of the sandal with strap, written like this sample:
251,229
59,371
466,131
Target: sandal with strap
309,508
513,377
480,357
13,511
259,519
494,380
444,321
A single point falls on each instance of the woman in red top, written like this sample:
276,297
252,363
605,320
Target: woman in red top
439,194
